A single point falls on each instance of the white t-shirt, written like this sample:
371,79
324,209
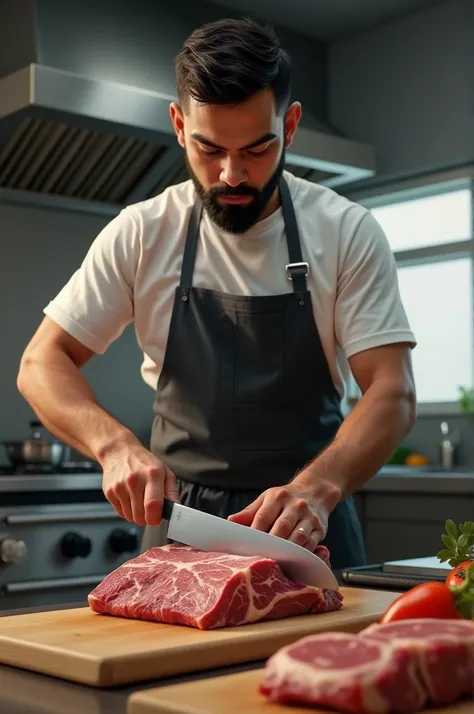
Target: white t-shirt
133,267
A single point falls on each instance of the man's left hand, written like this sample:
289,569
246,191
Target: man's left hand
288,512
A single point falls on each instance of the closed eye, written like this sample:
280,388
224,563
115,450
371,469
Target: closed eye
249,152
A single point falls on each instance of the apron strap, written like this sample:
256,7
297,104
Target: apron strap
189,255
297,269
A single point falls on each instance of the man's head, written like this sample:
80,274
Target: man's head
233,118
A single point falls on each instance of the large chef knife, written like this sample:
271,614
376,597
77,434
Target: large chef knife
211,533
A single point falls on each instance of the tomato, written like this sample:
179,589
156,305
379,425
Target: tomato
431,599
457,576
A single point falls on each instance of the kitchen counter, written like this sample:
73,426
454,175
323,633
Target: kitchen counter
23,692
422,480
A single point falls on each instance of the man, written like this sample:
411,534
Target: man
252,291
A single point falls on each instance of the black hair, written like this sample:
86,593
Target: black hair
228,61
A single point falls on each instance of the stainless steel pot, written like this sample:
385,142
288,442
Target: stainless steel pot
35,450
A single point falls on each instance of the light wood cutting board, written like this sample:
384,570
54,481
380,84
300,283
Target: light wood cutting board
103,651
232,694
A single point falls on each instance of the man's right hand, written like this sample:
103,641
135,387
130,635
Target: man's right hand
135,482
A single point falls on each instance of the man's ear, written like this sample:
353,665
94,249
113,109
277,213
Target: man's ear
292,118
177,120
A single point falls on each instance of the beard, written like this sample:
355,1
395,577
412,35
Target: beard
234,218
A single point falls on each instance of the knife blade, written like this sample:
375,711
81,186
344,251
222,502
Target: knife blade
212,533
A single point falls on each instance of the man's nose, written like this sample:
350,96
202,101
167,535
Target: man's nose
233,172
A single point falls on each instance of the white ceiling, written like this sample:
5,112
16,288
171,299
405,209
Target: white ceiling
327,19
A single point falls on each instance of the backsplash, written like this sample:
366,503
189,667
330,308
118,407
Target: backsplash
426,436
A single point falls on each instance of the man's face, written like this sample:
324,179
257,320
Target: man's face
235,155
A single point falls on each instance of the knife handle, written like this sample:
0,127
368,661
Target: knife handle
167,509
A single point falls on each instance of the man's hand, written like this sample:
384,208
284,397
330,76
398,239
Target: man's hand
288,512
135,482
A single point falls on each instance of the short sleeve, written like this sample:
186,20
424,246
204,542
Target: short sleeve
96,304
369,308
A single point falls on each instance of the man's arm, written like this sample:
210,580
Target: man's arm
50,379
382,418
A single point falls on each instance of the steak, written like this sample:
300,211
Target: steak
181,585
345,672
444,653
395,667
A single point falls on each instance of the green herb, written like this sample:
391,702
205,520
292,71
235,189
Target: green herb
458,544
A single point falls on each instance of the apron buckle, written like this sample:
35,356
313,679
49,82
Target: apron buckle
296,269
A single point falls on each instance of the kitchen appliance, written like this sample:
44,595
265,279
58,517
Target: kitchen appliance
59,536
36,450
93,136
98,650
211,533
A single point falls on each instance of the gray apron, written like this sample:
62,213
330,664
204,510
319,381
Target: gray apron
245,397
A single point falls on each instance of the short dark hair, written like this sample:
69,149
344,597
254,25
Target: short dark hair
228,61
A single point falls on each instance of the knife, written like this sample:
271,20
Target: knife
212,533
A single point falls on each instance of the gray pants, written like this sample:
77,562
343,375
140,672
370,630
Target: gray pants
344,538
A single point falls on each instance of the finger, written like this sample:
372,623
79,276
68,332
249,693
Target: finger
246,515
306,534
114,501
121,492
268,513
313,542
171,488
136,488
153,498
285,523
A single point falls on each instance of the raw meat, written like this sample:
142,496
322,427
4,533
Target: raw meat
345,672
186,586
444,651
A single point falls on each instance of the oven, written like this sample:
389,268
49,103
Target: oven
59,537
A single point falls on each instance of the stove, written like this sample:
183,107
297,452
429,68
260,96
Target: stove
59,536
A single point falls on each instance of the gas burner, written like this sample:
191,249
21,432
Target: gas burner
68,467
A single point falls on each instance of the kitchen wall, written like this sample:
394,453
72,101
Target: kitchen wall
135,43
407,88
40,249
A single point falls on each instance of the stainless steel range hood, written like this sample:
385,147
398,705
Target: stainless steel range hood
98,145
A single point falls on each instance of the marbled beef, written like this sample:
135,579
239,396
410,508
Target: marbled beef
186,586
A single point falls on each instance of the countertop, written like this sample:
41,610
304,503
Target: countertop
412,479
23,692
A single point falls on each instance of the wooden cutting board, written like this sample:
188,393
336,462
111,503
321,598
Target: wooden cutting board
103,651
232,694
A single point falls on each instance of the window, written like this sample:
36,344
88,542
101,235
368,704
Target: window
438,301
432,220
433,244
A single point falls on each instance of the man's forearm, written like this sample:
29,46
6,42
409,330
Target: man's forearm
66,405
363,444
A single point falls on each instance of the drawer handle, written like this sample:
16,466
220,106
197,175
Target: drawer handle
27,519
41,585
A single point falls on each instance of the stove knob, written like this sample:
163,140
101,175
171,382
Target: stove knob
12,551
123,541
75,545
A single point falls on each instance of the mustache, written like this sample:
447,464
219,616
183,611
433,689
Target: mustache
230,191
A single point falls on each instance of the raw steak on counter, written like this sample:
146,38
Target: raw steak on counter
345,672
395,667
186,586
444,651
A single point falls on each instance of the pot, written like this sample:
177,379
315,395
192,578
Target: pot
35,450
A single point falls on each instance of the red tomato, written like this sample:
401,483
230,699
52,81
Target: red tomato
457,576
432,599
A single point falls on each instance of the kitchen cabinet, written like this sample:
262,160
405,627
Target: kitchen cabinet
404,520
